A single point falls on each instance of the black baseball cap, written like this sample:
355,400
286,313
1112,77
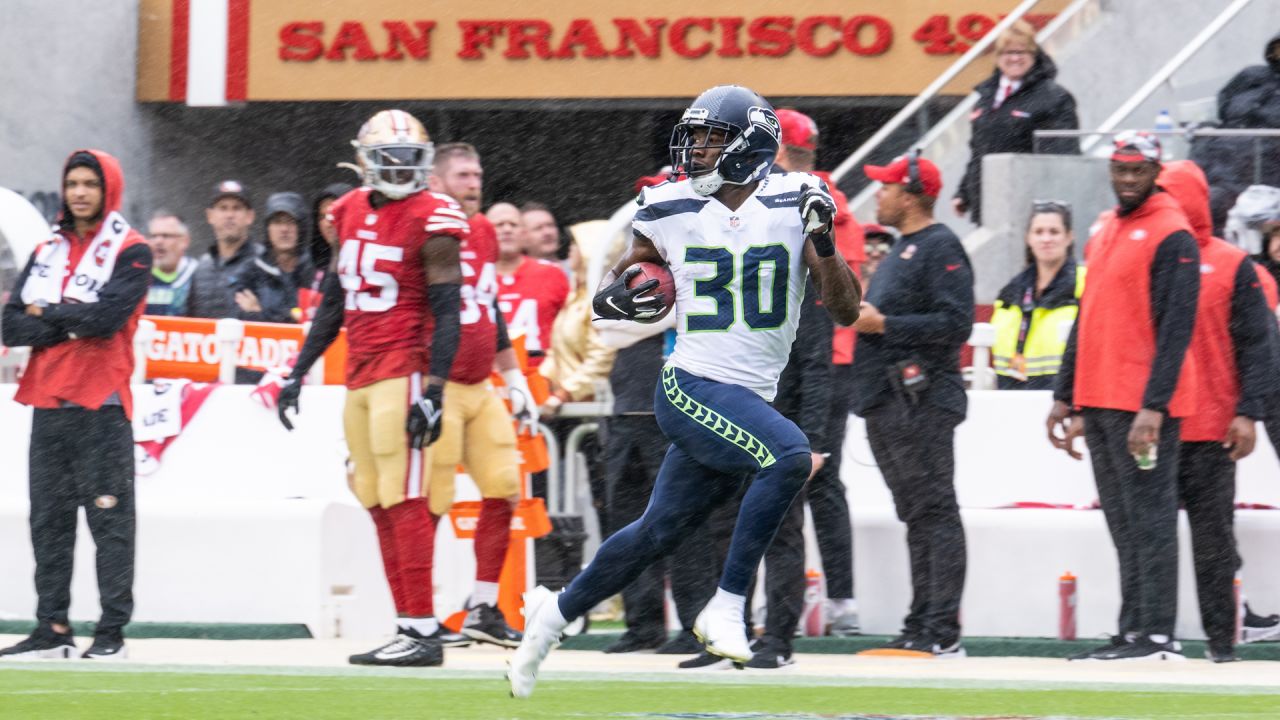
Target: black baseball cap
233,189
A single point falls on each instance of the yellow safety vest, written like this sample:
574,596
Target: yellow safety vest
1046,336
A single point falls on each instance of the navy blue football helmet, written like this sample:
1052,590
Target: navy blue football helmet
750,144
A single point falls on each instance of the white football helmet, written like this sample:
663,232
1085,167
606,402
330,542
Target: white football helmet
394,153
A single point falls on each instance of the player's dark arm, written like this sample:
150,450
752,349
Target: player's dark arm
1252,327
117,300
642,250
23,330
1175,290
325,326
839,289
444,293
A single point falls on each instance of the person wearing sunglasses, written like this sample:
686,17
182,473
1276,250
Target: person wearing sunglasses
1036,310
1018,98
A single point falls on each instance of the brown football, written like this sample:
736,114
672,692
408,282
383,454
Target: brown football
666,286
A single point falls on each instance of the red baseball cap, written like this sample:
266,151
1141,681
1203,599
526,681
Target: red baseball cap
897,172
798,129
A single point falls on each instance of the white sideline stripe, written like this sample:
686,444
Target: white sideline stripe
207,53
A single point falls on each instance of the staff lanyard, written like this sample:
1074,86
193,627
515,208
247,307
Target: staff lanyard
1018,365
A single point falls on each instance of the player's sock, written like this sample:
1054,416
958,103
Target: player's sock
424,626
415,532
763,507
724,599
493,536
390,564
486,593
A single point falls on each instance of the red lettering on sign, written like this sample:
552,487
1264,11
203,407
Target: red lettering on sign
771,36
805,32
935,35
729,27
399,35
477,34
523,33
581,33
678,38
301,41
853,34
351,35
630,33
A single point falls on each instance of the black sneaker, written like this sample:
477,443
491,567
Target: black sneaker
404,650
905,641
770,654
107,646
707,661
683,644
1257,628
1144,648
42,644
951,650
486,623
1225,654
1116,641
446,637
631,642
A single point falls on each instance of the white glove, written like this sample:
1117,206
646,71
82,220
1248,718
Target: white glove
523,408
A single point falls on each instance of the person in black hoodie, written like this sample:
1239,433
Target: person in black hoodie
324,237
1019,98
1251,99
266,290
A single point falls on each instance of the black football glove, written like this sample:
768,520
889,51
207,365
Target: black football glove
289,393
619,302
425,417
817,209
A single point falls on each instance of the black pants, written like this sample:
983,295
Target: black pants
633,450
914,445
82,458
1207,489
1141,507
826,495
1272,423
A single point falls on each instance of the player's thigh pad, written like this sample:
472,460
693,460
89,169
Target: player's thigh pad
489,448
401,470
355,421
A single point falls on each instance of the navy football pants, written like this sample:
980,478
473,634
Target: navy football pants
721,435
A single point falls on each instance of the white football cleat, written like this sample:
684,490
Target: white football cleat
538,641
723,632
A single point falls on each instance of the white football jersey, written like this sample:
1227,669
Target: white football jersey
740,277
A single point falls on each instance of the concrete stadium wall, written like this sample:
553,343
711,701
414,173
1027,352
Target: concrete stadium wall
67,72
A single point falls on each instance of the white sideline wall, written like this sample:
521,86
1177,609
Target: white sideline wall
245,522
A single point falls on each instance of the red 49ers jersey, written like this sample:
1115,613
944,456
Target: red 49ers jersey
530,298
380,266
479,342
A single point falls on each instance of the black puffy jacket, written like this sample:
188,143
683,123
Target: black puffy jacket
1251,99
1039,103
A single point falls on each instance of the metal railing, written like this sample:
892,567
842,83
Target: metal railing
1257,135
1166,71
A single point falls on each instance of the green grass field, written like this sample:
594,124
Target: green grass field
81,694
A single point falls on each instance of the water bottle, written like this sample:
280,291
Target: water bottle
815,604
1067,606
1147,460
1164,121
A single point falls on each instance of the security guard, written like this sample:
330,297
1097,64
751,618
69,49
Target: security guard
907,385
1036,310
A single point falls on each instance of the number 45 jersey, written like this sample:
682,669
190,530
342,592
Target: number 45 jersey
380,266
740,276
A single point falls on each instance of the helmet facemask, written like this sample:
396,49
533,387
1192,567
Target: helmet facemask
746,153
394,154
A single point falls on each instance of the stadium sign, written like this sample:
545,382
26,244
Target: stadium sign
211,52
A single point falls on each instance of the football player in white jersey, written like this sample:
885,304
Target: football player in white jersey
739,243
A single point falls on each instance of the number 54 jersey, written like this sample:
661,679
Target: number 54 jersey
384,281
740,276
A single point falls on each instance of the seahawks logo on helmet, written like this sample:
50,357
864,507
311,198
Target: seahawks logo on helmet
765,119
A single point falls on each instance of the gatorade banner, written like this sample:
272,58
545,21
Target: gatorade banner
189,348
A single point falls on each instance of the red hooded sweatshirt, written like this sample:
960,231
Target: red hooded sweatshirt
1231,315
82,353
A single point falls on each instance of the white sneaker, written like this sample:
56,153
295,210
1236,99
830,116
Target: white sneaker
538,641
723,632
